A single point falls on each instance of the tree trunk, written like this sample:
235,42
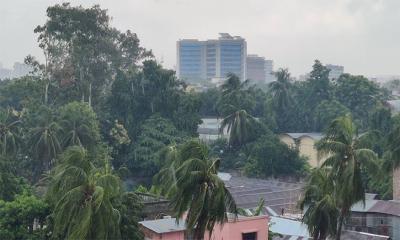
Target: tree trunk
396,183
46,92
339,229
90,94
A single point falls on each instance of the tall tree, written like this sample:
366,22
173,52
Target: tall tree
199,192
347,158
320,203
9,131
281,97
82,198
79,125
240,126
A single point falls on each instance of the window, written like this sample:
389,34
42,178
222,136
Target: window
249,236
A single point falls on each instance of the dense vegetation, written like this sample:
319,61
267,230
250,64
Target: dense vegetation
100,110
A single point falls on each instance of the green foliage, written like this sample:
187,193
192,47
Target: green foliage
358,94
195,188
269,157
320,203
82,197
17,218
156,133
326,112
79,124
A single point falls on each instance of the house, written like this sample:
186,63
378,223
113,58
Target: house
376,217
241,228
305,143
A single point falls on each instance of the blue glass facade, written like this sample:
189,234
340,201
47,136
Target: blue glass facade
206,60
190,60
231,59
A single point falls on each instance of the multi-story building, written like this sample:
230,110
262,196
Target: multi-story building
256,71
269,71
335,71
211,59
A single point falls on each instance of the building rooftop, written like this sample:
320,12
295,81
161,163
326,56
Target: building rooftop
314,135
378,206
164,225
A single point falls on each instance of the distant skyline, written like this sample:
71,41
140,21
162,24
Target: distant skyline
361,35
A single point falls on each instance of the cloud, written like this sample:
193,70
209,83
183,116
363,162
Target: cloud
362,35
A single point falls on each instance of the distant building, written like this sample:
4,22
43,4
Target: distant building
269,71
305,143
19,70
204,60
335,71
256,68
241,228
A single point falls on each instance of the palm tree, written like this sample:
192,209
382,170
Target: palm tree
44,139
8,131
346,158
199,192
82,197
320,204
79,125
394,152
233,95
239,126
280,89
281,96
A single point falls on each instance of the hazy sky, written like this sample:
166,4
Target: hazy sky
362,35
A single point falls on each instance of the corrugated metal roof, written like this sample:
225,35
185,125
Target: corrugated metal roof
386,207
164,225
313,135
289,227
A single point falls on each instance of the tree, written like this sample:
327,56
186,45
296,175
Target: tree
326,112
235,95
269,157
44,140
9,132
347,158
156,133
82,199
320,203
199,192
239,125
18,217
281,96
360,95
9,182
79,125
82,49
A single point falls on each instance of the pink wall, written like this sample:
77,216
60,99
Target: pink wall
233,230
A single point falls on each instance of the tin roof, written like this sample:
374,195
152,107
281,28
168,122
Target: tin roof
313,135
164,225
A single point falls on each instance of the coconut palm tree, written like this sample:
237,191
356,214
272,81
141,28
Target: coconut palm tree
233,96
82,199
394,158
239,125
346,158
44,139
198,190
9,122
280,89
281,96
320,204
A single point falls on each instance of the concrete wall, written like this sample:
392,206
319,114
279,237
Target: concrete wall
306,146
233,230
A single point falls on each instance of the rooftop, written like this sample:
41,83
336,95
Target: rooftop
314,135
164,225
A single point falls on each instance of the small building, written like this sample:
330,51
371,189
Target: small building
241,228
305,143
375,217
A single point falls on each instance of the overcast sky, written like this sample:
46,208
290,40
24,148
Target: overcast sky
362,35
